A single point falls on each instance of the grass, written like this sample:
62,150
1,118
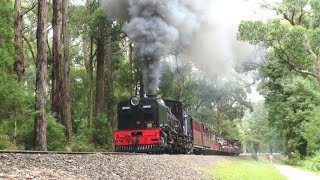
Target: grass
244,169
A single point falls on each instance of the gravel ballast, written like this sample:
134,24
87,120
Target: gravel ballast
99,166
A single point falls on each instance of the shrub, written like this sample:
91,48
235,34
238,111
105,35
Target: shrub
82,142
313,162
103,132
5,142
6,129
55,134
294,158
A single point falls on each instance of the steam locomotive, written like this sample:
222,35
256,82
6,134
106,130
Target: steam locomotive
157,126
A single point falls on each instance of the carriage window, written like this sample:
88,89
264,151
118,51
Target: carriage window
213,136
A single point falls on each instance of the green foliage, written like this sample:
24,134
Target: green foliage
5,142
313,162
4,145
257,131
295,158
82,142
55,134
13,97
289,82
6,35
103,132
310,131
16,105
26,134
79,102
16,101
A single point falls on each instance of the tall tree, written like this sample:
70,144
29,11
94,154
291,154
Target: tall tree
100,81
110,109
19,57
87,37
56,63
291,68
100,69
41,85
66,111
89,69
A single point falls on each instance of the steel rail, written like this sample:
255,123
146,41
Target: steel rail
64,152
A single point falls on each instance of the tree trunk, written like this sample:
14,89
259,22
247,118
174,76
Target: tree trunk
99,85
86,63
18,39
100,72
15,127
88,59
90,84
66,109
110,83
56,64
40,93
244,147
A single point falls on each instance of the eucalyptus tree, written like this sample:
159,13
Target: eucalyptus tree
291,69
19,56
65,75
41,85
56,59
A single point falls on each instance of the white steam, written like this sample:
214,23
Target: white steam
202,29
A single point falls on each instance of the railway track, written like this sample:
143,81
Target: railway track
64,152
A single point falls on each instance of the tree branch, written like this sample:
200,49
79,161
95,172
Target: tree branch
301,15
292,18
30,49
289,19
268,6
31,8
49,49
293,66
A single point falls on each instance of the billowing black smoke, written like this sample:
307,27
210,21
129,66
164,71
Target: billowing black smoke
205,31
158,28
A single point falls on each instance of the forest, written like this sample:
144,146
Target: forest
64,66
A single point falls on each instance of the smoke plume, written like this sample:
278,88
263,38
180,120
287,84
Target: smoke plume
196,28
158,28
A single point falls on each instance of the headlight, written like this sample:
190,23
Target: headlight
135,101
149,125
